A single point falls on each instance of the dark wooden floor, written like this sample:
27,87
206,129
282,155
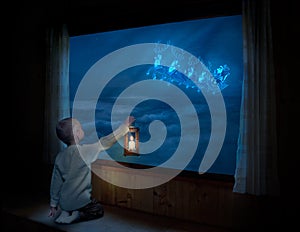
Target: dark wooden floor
30,214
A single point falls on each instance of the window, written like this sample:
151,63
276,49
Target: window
174,78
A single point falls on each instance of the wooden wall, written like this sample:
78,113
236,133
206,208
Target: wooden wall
201,200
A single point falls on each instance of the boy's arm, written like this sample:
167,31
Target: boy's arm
55,187
109,140
91,151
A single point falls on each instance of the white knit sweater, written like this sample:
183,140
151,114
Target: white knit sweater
71,178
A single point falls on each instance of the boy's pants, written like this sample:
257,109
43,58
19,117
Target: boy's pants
91,211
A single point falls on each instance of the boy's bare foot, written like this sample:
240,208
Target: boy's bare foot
66,218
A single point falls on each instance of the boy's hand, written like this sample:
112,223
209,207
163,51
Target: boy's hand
129,120
52,211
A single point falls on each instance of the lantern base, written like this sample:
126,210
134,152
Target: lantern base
130,153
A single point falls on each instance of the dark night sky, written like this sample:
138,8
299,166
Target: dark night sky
215,41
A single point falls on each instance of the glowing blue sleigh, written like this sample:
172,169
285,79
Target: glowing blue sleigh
189,78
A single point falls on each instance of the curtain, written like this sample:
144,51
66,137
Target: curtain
256,166
57,88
